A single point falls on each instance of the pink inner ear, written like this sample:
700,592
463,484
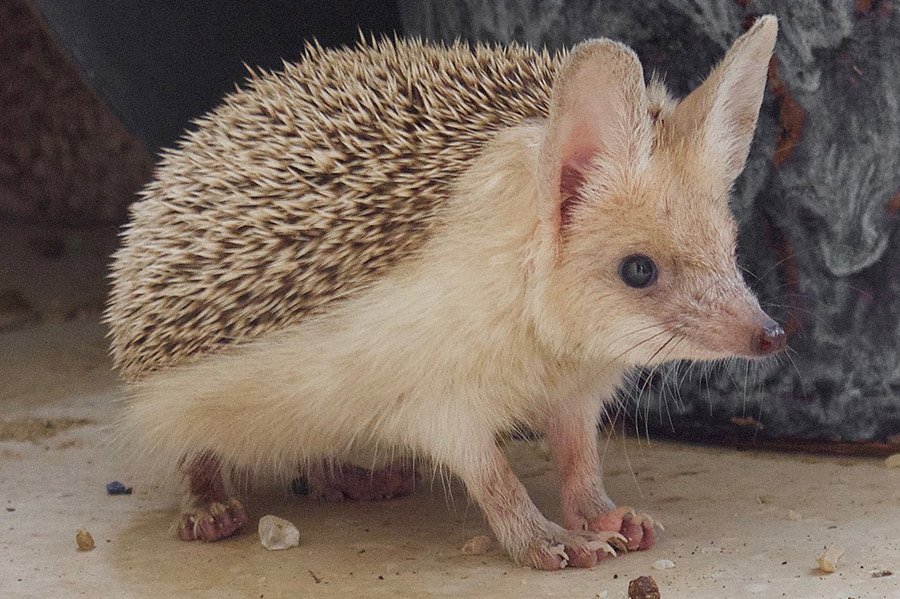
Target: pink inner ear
573,173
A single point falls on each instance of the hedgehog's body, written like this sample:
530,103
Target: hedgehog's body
482,218
295,192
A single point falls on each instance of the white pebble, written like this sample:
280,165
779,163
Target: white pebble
893,461
277,533
663,564
794,515
828,560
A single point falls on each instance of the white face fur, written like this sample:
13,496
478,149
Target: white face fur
636,206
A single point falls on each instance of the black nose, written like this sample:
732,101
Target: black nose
770,340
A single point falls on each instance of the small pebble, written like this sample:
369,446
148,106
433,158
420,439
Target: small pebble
117,488
793,515
829,558
84,540
277,533
766,499
892,461
477,545
643,587
663,564
879,573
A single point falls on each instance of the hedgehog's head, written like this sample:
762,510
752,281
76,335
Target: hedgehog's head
634,208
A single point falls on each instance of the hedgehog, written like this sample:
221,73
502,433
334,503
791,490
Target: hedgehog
383,258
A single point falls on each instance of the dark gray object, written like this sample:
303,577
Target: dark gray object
818,203
161,64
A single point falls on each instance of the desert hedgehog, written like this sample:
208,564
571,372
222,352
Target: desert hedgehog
402,249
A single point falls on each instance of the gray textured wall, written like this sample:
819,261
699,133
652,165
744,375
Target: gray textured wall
818,203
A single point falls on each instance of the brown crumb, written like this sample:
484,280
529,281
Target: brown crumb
36,429
643,587
84,540
881,573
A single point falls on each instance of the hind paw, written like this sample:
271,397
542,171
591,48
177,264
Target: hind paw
213,522
354,483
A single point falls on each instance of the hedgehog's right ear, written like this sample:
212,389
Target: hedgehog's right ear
598,122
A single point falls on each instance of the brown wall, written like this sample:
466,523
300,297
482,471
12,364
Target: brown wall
64,158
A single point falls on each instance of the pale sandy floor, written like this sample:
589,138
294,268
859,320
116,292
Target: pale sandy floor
726,513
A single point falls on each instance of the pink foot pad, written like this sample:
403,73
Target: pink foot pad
352,482
216,521
637,528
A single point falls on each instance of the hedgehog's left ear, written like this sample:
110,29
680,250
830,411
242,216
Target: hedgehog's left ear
719,117
598,122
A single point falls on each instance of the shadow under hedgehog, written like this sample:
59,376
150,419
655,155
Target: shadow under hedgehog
402,250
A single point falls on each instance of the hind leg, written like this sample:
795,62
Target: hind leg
346,481
210,514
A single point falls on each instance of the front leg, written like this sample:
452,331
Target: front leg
521,529
572,435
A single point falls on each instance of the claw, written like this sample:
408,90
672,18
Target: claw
619,542
600,545
560,550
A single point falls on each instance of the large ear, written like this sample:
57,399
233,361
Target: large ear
598,120
720,115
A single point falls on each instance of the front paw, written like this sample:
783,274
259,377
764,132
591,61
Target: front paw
554,548
637,528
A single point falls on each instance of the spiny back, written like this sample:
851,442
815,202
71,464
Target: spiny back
305,187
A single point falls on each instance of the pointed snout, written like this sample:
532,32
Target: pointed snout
769,339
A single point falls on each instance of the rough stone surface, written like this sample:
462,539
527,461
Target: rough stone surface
818,203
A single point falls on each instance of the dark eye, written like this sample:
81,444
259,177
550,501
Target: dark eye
638,271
